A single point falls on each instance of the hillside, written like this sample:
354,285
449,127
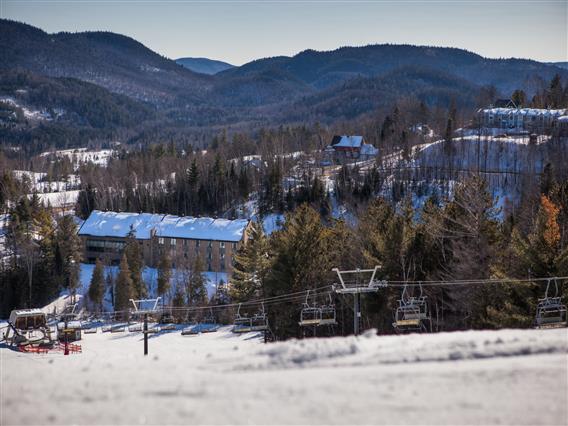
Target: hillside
476,377
324,69
204,65
343,84
47,111
115,62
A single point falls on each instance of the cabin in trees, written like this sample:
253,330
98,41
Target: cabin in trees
215,241
348,148
521,120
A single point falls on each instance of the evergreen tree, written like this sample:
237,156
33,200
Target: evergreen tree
164,275
519,97
123,287
252,263
97,286
196,290
70,248
302,260
133,253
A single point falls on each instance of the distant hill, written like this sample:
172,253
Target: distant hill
62,111
560,64
322,70
115,62
204,65
341,84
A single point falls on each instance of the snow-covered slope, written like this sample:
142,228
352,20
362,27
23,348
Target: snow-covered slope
475,377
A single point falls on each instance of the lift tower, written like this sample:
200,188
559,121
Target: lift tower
355,282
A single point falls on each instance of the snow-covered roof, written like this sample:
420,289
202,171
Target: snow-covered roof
525,111
349,142
25,313
563,118
202,228
368,149
70,324
113,224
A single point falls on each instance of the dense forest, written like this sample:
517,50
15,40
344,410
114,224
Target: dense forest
466,236
79,83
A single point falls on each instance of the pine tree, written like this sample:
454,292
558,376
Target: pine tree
135,260
97,286
123,287
251,265
70,247
164,275
178,302
196,291
302,260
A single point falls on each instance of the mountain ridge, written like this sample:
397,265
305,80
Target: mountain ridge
204,65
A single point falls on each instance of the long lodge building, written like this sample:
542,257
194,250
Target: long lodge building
215,241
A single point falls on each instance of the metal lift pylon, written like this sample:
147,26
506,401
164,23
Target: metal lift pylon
350,282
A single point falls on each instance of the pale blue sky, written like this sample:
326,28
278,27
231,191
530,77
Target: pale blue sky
238,31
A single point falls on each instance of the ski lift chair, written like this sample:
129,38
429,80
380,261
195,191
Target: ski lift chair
550,311
328,313
241,324
411,313
311,315
208,324
259,321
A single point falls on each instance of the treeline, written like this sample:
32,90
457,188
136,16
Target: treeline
459,240
41,257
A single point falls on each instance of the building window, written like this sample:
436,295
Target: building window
173,241
210,244
209,267
234,246
222,265
161,241
222,244
197,243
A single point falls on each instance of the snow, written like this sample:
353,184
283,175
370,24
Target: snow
202,228
272,222
80,156
473,377
150,278
113,224
530,112
58,199
41,185
349,142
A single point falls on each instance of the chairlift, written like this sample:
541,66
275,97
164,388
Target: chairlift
411,313
550,311
311,315
328,313
241,324
259,321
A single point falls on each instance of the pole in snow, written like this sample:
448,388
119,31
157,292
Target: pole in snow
356,314
145,334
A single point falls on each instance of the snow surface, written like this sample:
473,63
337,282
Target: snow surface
150,277
113,224
473,377
202,228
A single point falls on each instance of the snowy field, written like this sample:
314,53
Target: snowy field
474,377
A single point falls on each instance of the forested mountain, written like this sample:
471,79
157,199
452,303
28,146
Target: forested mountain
324,69
61,112
118,63
170,102
204,65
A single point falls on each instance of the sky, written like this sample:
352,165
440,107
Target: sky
238,31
